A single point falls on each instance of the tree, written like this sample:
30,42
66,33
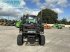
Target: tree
48,16
69,22
64,21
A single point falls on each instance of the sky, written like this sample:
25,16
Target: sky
16,8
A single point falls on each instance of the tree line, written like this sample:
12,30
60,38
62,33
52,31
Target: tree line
7,22
47,15
64,21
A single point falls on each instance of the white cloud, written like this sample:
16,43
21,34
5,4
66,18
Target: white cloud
56,3
58,10
35,12
22,3
30,11
63,3
53,4
8,10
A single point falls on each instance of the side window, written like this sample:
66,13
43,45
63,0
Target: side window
39,20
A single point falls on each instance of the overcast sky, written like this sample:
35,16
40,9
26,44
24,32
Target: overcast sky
18,7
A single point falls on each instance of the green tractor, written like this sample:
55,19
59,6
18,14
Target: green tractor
30,28
57,26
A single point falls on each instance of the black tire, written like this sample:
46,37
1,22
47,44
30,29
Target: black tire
42,40
20,40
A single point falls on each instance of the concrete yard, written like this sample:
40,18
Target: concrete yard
57,40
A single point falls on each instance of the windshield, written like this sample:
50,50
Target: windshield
29,19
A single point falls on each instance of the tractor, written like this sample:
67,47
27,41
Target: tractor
57,26
31,30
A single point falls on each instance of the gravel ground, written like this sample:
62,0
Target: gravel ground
57,40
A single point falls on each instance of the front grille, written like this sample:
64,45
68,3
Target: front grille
29,29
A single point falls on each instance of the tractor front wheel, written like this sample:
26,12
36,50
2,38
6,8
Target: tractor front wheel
20,40
42,40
